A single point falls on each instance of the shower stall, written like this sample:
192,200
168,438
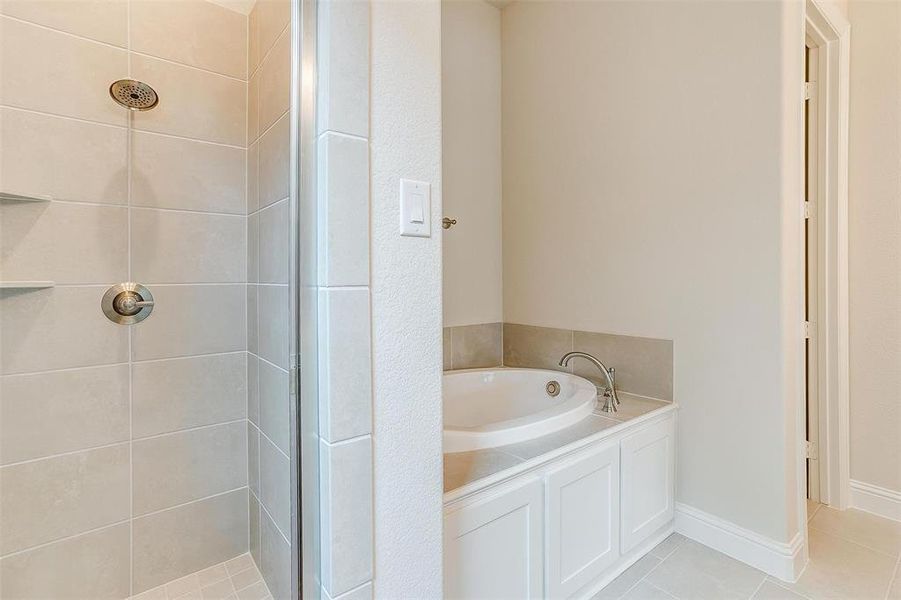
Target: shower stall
151,186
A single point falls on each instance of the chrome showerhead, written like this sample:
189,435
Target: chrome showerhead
133,95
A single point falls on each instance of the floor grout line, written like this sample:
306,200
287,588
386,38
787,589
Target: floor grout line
855,542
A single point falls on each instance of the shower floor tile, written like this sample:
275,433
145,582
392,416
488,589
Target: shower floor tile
235,579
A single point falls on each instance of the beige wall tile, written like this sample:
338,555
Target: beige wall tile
253,39
345,364
180,467
36,63
94,565
535,347
275,479
170,172
193,32
643,366
253,108
273,315
275,150
253,458
275,82
272,18
253,319
253,178
343,211
253,248
475,346
194,104
344,67
63,242
274,409
186,539
101,20
346,514
275,559
62,411
273,241
42,155
170,395
68,320
192,319
161,241
253,388
254,527
52,498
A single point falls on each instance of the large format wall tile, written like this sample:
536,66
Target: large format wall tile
192,319
275,480
274,411
253,458
95,565
253,388
343,211
62,411
48,499
267,21
346,514
535,347
275,82
275,559
63,242
273,243
273,319
253,319
193,103
254,527
170,30
176,542
345,365
36,63
253,177
169,172
344,67
253,248
101,20
180,467
170,395
67,320
275,149
475,346
65,159
182,247
644,366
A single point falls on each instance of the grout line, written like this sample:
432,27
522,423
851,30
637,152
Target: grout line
781,584
44,113
65,538
187,66
894,578
129,154
274,524
263,59
850,541
815,511
187,210
183,504
757,589
190,139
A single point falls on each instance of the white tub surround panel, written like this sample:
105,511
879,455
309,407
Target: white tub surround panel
343,279
567,520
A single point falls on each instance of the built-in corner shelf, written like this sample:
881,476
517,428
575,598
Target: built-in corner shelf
25,285
7,197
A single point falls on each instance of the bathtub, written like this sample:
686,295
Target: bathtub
484,408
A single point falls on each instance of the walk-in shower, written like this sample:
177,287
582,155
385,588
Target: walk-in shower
148,248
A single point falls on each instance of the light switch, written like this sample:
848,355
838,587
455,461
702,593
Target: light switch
415,208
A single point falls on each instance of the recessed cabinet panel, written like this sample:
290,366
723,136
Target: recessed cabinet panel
494,548
582,520
648,472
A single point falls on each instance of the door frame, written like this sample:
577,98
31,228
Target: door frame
831,32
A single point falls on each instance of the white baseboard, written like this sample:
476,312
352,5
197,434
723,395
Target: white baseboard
877,500
781,560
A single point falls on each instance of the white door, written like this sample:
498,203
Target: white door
648,474
582,520
494,549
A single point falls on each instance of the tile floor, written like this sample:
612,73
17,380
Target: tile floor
853,556
235,579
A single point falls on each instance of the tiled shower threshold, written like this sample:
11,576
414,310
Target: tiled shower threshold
235,579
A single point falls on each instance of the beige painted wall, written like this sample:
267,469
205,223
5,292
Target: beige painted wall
875,243
471,161
644,149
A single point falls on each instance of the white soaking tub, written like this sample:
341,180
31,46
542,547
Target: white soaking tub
484,408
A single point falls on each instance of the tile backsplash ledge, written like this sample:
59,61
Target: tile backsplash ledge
644,366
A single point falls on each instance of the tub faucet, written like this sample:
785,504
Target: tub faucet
612,400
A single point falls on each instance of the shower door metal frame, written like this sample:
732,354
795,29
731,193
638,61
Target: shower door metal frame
303,310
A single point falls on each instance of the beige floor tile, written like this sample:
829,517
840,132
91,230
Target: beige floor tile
771,590
245,578
183,586
241,563
157,593
257,591
894,592
842,569
214,574
218,591
667,546
861,527
647,591
628,579
697,572
812,508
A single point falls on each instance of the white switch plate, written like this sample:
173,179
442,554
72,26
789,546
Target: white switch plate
415,208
